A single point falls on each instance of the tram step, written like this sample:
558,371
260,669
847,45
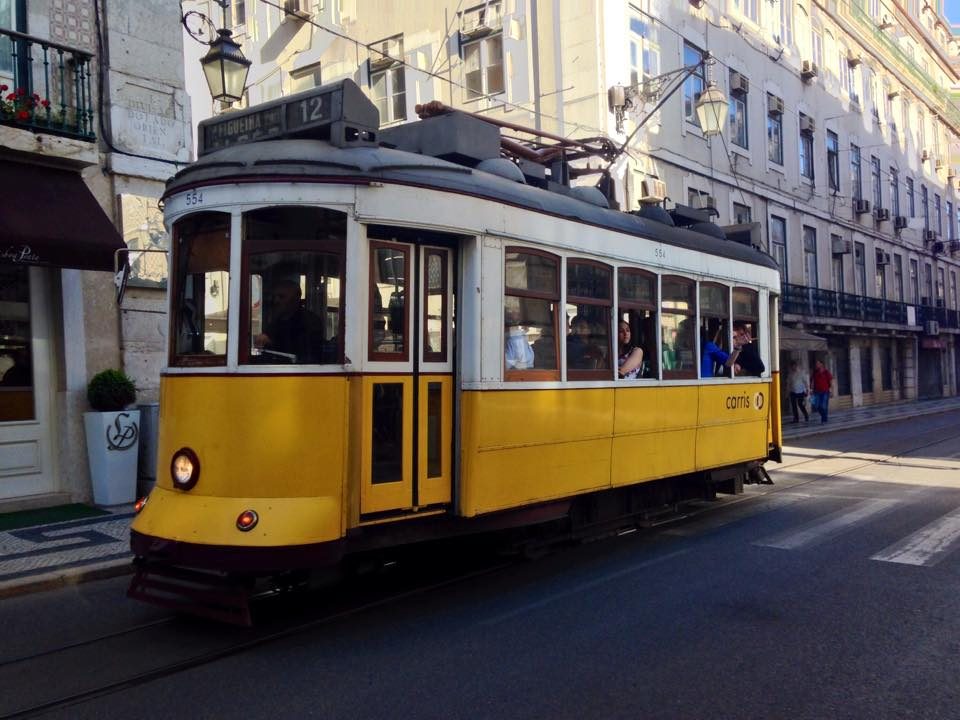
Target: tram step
192,591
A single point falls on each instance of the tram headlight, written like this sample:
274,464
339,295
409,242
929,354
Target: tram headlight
185,469
140,504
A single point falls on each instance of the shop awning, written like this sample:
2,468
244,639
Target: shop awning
49,217
793,339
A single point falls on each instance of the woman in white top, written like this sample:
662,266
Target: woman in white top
630,358
799,387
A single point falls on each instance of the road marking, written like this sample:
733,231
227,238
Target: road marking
927,546
740,511
583,587
831,525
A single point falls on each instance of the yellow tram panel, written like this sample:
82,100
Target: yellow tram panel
207,520
524,446
732,426
257,436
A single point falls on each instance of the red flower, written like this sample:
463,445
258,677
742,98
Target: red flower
23,115
12,96
45,103
21,91
3,88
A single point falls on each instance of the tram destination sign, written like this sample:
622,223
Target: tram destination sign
308,114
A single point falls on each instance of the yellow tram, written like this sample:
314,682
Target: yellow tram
383,337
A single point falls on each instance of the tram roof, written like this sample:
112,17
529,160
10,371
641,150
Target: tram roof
306,160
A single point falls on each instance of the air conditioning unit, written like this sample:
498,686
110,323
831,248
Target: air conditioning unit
854,98
704,202
808,125
296,9
951,172
809,70
925,301
861,206
653,191
774,105
881,214
739,84
931,327
955,246
924,155
938,247
900,222
883,258
853,58
839,246
929,236
940,163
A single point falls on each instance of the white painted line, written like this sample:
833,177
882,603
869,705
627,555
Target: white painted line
583,587
720,517
927,546
832,524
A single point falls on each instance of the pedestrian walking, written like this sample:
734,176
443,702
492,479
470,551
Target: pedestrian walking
822,382
799,388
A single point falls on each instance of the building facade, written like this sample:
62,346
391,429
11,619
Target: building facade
85,148
839,155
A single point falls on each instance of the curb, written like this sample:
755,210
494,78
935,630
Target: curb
823,428
65,577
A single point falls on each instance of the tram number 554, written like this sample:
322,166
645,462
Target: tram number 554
193,198
660,253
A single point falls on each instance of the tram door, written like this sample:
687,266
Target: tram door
408,393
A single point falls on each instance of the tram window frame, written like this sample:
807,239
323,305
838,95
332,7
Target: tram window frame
751,319
553,297
630,310
328,245
690,316
408,342
707,314
599,373
205,226
438,356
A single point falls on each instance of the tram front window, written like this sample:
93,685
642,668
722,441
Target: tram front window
201,289
294,290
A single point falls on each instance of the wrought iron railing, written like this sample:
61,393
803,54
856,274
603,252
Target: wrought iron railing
819,303
48,86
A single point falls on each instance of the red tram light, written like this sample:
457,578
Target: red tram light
247,520
140,504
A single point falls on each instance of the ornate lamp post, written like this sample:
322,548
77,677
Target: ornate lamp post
224,65
711,110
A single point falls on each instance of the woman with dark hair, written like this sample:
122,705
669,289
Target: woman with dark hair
629,357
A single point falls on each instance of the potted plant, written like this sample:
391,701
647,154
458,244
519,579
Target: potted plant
113,433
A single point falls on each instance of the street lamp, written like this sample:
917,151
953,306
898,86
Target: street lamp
225,68
224,65
711,110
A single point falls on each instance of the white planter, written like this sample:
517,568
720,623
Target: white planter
112,446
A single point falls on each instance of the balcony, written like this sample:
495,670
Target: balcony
48,86
819,303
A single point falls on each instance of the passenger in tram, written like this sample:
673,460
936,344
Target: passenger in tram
749,362
292,329
629,357
582,352
713,359
518,353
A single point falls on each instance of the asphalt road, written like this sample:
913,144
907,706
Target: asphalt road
834,593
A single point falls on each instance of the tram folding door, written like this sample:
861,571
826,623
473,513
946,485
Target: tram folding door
408,397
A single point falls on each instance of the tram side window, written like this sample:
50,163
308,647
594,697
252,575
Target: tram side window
637,301
389,316
714,330
201,289
293,294
530,303
588,311
677,327
746,326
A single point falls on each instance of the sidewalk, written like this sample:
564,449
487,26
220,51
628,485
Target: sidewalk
49,556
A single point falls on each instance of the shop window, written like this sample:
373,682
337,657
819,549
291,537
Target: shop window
588,313
866,369
530,303
16,345
293,294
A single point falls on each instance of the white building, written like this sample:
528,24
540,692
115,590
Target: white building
841,140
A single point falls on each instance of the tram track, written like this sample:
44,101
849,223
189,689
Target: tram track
210,656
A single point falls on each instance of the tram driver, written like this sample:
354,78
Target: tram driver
292,330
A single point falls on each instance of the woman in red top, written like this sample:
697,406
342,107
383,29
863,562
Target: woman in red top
821,382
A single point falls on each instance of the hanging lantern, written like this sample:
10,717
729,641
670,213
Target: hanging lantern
225,68
712,110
